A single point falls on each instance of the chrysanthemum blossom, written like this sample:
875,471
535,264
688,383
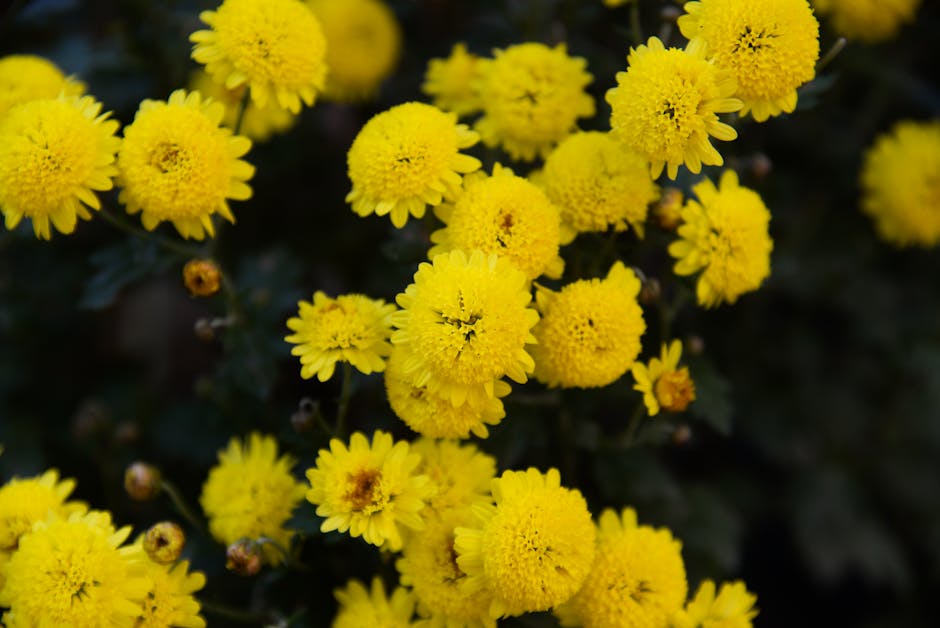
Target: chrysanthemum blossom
724,237
54,155
360,607
664,385
24,78
461,473
900,182
665,106
533,549
251,493
532,97
170,599
453,82
589,333
638,577
464,325
275,47
770,47
369,490
177,164
407,158
733,607
258,123
869,21
350,328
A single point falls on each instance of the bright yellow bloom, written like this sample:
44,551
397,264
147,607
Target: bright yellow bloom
504,215
465,323
369,491
732,608
533,549
258,123
359,608
461,473
532,97
770,47
869,21
453,83
54,155
251,493
24,78
169,600
177,164
407,158
900,180
665,106
724,235
275,47
350,328
663,384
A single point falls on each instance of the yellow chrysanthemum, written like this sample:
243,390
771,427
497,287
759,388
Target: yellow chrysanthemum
900,181
870,21
533,549
363,43
665,106
732,608
24,78
407,158
464,325
177,164
453,82
663,384
589,333
770,47
638,577
258,123
169,600
251,493
461,473
275,47
504,215
369,491
350,328
532,97
359,607
725,236
54,155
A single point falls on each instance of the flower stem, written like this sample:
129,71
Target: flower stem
234,614
628,438
242,107
119,223
833,52
637,33
181,505
344,395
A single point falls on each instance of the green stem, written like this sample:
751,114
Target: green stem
629,435
832,53
344,396
244,617
242,107
181,505
119,223
635,23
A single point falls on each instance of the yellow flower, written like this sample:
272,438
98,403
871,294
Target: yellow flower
900,181
725,236
663,384
504,215
258,123
732,608
350,328
770,47
638,577
363,43
169,600
201,277
407,158
453,82
251,493
532,97
177,164
665,106
589,333
464,325
369,491
461,473
24,78
54,155
869,21
275,47
359,608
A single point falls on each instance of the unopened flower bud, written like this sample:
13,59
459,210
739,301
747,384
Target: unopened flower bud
142,481
650,291
164,542
761,166
682,434
243,557
695,345
668,210
201,277
304,419
204,330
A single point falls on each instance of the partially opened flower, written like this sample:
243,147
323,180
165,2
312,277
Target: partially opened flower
24,78
733,607
453,83
869,21
664,385
360,607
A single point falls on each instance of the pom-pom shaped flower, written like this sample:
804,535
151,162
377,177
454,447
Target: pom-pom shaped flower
869,21
638,577
770,47
666,106
453,82
54,155
359,607
461,473
178,164
532,97
363,43
506,215
589,333
724,235
407,158
900,180
533,549
369,490
251,493
24,78
664,385
169,600
350,328
464,325
275,47
732,608
258,123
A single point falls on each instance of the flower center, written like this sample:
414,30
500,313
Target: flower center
675,390
752,40
168,157
364,490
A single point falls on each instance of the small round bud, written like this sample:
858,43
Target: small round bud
695,345
303,420
127,433
204,330
243,557
650,291
201,277
668,210
761,166
142,481
682,434
164,542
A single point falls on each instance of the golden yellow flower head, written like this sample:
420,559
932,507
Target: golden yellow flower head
201,277
407,158
169,600
54,155
589,333
359,607
369,490
666,106
24,78
638,577
275,47
350,328
663,384
725,236
900,181
461,473
532,97
258,123
732,608
177,164
453,83
869,21
464,325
